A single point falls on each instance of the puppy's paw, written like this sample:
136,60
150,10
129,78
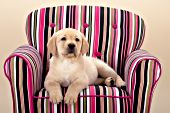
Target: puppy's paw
55,97
70,97
119,82
109,81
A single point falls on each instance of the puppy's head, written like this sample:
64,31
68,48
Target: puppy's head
68,43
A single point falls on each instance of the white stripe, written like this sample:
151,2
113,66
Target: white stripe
92,32
15,85
118,39
107,94
32,28
55,108
64,17
118,101
88,100
72,108
110,27
147,86
138,43
79,12
37,30
158,73
81,102
45,101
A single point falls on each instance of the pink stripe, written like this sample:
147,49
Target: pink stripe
41,32
30,82
115,102
96,30
130,33
92,100
76,17
62,17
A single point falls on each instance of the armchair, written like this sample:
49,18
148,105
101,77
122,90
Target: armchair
114,35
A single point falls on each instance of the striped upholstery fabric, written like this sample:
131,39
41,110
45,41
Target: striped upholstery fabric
142,73
112,33
115,36
23,68
94,99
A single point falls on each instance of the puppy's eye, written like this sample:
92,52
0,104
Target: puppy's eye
77,40
63,39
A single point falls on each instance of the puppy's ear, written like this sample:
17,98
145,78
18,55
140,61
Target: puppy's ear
51,46
85,45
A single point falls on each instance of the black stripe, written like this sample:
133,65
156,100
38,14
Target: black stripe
35,28
97,99
136,92
90,29
144,86
53,20
30,21
121,101
71,16
101,29
62,89
105,100
107,35
120,43
17,84
45,47
25,91
67,16
74,11
35,102
42,101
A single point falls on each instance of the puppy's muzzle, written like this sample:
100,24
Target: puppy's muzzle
71,48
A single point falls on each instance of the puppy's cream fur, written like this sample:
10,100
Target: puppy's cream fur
73,69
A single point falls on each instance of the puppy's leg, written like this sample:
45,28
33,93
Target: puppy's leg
74,89
106,71
54,89
99,81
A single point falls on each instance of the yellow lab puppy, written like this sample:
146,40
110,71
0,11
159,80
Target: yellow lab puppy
69,68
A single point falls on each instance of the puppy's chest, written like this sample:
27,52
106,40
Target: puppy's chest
67,72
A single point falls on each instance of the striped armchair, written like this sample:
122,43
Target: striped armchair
114,35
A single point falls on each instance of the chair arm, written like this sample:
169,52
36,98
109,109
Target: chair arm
28,55
23,68
142,72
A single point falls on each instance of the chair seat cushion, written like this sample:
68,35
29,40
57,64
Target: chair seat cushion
93,99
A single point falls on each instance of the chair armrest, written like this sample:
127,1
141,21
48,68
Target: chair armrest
142,72
23,68
25,60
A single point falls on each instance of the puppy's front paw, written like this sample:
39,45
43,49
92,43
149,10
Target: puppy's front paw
70,97
55,97
109,81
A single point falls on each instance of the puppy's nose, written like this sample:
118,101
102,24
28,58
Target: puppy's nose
71,46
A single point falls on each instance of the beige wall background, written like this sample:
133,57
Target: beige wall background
156,14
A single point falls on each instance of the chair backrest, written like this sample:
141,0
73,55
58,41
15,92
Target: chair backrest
112,33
